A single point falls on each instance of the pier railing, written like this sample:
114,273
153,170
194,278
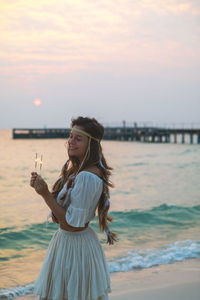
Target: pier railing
122,133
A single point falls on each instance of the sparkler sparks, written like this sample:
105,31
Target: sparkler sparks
38,161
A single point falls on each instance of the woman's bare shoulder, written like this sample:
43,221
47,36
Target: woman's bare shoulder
95,170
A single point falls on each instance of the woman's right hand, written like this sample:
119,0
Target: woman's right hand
38,183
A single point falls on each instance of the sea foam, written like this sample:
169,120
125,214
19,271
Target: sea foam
147,258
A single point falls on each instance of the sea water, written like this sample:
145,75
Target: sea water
155,204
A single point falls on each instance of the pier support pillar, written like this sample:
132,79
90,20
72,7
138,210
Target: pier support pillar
198,138
175,138
191,138
183,138
167,138
145,138
138,138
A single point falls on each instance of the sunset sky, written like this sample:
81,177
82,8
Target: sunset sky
133,60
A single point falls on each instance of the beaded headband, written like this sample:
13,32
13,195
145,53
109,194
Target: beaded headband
85,133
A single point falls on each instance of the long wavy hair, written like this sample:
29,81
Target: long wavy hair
73,166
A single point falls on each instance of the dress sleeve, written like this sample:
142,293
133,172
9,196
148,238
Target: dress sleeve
82,196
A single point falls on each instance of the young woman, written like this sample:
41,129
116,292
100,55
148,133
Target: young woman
75,266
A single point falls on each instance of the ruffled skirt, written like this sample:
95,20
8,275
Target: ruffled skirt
74,268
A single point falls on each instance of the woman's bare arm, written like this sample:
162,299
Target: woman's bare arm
59,212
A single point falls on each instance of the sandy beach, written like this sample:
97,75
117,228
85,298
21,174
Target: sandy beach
174,282
178,281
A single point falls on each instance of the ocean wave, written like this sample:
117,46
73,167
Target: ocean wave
33,236
147,258
137,164
189,151
14,292
159,215
130,225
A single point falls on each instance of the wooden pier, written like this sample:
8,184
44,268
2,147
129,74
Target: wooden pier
38,133
139,134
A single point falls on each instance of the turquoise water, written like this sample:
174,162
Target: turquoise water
155,205
163,222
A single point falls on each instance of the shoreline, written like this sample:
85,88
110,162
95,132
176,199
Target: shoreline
174,281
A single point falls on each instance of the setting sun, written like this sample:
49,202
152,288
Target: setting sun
37,102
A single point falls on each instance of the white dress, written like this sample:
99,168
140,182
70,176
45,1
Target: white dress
75,266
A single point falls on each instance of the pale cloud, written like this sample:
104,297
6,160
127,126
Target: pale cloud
38,37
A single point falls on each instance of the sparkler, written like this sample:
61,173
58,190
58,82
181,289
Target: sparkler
38,161
41,163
